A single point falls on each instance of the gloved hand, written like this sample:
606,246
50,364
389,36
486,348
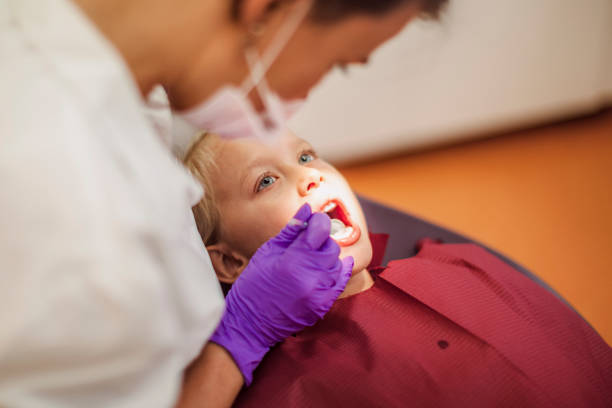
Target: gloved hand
289,284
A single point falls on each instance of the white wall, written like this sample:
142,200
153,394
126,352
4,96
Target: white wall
487,66
608,45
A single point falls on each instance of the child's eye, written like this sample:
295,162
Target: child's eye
265,182
306,157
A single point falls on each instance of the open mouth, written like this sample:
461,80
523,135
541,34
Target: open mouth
343,230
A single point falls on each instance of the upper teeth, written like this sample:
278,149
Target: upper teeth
329,207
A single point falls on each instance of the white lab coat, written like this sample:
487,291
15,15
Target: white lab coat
106,291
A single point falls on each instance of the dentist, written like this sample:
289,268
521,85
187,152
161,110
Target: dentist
108,296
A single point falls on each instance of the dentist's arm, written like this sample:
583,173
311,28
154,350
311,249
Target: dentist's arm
213,380
289,284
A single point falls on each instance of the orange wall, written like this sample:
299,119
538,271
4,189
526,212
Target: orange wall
543,197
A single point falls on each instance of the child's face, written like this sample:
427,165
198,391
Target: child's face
259,187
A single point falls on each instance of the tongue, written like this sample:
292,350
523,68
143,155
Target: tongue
336,226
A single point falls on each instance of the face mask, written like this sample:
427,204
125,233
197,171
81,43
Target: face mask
229,112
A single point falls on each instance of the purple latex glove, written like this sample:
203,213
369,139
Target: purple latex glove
289,284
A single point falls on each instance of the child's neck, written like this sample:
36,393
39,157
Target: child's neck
359,282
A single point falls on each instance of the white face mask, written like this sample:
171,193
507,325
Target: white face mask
229,112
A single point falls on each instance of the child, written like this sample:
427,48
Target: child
452,326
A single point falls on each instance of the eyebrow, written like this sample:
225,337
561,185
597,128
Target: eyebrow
259,162
262,161
302,143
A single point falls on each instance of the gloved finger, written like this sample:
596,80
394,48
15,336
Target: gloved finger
345,274
317,231
348,264
328,254
296,224
338,286
335,269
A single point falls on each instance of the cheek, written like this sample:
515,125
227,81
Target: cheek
271,220
361,252
250,224
296,72
296,81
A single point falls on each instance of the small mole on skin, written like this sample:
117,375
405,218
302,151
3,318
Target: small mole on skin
443,344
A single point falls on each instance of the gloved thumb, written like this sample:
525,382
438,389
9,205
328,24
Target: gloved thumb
295,225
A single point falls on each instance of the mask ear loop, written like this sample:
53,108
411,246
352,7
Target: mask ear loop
259,66
272,117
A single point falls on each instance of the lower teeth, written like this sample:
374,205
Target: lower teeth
339,230
336,226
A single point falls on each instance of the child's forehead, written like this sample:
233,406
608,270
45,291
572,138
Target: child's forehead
242,151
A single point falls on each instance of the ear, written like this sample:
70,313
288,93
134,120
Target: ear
228,264
254,11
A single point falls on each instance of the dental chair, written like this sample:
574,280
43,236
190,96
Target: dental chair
406,230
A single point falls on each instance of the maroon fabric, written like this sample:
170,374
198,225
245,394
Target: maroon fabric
452,326
379,243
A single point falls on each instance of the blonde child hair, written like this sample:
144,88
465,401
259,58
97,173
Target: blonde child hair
200,161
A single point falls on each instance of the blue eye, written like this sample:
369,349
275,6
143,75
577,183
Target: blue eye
306,158
265,182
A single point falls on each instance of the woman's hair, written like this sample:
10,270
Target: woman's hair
327,11
331,10
199,160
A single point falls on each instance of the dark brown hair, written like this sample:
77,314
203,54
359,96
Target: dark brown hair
328,11
331,10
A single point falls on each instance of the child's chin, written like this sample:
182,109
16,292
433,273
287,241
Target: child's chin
361,252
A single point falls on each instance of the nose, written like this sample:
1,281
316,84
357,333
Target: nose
310,181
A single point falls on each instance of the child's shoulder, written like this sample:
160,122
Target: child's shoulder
455,254
427,247
453,260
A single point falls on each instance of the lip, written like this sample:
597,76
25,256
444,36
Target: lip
345,217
